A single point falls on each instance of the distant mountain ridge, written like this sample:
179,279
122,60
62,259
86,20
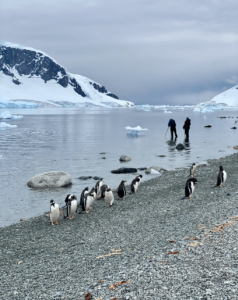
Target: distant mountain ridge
32,75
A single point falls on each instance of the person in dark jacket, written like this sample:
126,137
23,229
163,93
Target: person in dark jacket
186,127
172,126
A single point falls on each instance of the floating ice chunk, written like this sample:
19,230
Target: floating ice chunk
204,117
168,112
135,130
207,110
17,117
154,172
5,125
8,115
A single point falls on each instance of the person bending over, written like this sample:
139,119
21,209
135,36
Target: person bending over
172,126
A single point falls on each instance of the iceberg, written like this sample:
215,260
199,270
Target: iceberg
8,115
208,107
4,125
135,130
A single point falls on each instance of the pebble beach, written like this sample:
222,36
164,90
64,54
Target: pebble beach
151,245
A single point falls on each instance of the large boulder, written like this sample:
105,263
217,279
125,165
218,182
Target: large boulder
180,147
53,179
159,169
124,171
124,158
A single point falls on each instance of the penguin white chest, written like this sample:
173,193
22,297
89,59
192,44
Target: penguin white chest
109,198
73,207
54,213
89,203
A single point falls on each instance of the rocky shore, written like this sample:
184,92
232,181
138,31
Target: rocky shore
153,245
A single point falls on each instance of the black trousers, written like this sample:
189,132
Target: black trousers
173,131
186,132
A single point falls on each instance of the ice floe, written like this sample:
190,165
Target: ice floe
208,107
8,115
4,125
165,108
135,130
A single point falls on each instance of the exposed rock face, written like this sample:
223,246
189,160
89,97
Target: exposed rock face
52,179
180,147
124,158
16,61
159,169
124,170
33,63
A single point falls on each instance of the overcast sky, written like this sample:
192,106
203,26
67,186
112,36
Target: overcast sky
145,51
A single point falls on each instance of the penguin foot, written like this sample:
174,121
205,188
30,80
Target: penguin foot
87,212
52,223
56,223
71,218
221,186
90,208
190,198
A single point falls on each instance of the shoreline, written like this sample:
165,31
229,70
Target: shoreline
40,261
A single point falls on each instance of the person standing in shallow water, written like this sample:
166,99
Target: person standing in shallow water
186,127
172,126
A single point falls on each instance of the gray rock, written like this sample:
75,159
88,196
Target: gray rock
161,155
124,158
233,127
208,126
124,171
159,169
53,179
235,147
85,177
180,146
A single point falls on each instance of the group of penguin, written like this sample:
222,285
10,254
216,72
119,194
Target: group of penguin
190,183
100,191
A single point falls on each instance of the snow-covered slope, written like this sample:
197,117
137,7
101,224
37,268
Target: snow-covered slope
229,97
32,78
225,100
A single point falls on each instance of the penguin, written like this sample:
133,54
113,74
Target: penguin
189,188
98,187
121,191
54,212
85,191
93,192
71,205
193,170
221,177
104,187
88,201
139,176
135,184
109,197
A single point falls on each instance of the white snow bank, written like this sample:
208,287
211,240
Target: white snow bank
154,172
8,115
229,97
5,125
135,130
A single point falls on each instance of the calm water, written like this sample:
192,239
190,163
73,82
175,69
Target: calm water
71,140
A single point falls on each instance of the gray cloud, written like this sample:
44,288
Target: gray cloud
146,51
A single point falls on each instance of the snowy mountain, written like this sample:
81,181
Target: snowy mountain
229,97
225,100
31,78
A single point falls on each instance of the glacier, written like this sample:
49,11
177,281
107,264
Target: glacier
30,79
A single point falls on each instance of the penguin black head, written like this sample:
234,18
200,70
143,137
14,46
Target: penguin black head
221,168
101,179
194,164
194,180
52,202
140,176
137,179
108,189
